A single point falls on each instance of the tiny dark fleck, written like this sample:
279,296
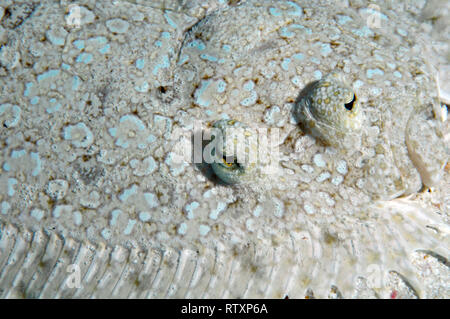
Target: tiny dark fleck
162,89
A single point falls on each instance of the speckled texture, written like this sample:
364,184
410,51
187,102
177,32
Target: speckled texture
98,115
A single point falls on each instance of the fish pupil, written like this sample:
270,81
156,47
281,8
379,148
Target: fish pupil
349,106
228,163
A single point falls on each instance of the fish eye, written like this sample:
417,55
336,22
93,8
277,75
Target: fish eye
329,109
228,166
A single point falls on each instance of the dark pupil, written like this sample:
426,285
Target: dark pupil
349,106
229,160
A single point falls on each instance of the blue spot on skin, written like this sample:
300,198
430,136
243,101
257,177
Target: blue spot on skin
11,122
11,183
220,208
84,58
373,12
288,31
275,12
48,74
151,138
402,32
55,40
112,131
99,40
165,35
54,106
75,82
6,167
204,230
128,192
317,75
249,85
28,86
65,66
129,228
143,88
298,11
163,65
123,144
83,141
189,208
168,123
151,199
249,100
5,207
226,48
363,32
208,57
105,49
375,91
371,72
391,65
170,21
198,44
182,229
285,64
18,154
34,100
144,216
358,83
315,60
221,86
296,80
198,94
37,214
151,164
298,56
343,19
158,44
57,211
268,117
301,27
140,63
61,209
397,74
77,218
257,211
106,233
378,57
135,120
183,59
115,214
79,44
326,49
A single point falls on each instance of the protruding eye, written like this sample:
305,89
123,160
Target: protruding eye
229,165
329,109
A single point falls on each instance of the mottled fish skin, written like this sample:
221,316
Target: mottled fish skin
94,173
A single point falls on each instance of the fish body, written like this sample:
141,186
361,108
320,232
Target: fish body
101,197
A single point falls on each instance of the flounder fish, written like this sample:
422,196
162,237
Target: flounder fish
126,205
